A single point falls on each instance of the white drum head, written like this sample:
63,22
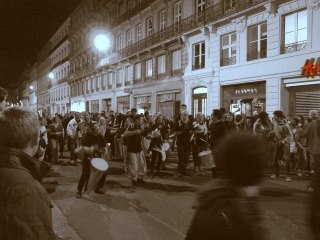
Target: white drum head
99,164
166,146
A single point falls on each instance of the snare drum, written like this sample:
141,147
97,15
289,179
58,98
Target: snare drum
98,167
206,159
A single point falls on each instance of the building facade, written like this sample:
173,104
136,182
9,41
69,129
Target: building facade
244,55
59,89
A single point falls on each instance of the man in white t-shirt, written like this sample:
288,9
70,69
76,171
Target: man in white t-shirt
72,137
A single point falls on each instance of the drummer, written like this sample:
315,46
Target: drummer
91,142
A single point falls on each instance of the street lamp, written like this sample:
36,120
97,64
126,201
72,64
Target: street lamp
31,87
51,75
101,42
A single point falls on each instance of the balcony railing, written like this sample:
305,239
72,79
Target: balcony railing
127,83
293,47
137,81
142,4
211,14
228,61
109,86
256,55
161,76
119,85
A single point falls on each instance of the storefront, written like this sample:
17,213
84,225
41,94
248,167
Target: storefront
168,103
142,103
245,98
106,104
123,104
304,95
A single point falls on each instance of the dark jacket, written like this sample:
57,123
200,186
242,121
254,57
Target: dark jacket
25,211
218,131
223,214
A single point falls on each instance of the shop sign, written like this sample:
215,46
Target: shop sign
246,90
166,97
311,67
141,100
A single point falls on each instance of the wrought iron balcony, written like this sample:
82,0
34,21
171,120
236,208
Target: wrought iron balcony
256,55
127,83
293,47
228,61
210,14
137,81
176,72
142,4
119,84
161,76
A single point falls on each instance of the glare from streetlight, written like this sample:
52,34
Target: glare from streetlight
31,87
101,42
51,75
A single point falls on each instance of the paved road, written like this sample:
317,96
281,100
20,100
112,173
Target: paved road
161,208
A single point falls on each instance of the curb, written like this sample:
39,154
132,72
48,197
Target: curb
61,226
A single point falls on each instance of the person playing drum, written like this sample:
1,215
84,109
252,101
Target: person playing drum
91,142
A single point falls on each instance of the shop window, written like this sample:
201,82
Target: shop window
257,42
228,49
95,106
295,32
198,56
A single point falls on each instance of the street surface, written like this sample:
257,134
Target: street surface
162,207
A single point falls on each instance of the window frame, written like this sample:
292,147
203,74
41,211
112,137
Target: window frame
201,56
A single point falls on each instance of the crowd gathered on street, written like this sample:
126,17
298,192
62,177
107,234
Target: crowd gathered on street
241,148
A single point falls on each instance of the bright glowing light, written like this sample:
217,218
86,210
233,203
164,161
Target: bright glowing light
101,42
31,87
51,75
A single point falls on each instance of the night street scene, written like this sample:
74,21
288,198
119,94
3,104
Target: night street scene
160,120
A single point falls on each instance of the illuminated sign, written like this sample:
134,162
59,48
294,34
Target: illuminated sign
311,67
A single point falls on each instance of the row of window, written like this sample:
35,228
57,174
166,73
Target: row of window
59,93
127,39
60,55
126,75
294,39
86,60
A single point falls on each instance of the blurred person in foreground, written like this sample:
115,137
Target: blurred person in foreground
312,132
228,208
3,99
25,209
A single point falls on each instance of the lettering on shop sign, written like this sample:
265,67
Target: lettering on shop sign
141,100
311,67
246,90
166,97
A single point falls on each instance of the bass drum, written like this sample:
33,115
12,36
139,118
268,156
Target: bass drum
98,167
206,159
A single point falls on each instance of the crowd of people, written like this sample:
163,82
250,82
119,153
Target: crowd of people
239,145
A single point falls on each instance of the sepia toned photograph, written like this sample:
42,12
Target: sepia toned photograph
160,120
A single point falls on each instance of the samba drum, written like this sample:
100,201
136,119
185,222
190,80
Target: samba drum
98,167
206,159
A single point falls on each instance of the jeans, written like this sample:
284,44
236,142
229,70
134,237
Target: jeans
155,157
72,147
54,150
183,156
85,174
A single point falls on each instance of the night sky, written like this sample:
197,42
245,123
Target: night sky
25,26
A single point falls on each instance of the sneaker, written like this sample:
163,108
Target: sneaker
288,179
310,189
134,183
299,174
274,176
99,191
79,195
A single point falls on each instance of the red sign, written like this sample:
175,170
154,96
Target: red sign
311,67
